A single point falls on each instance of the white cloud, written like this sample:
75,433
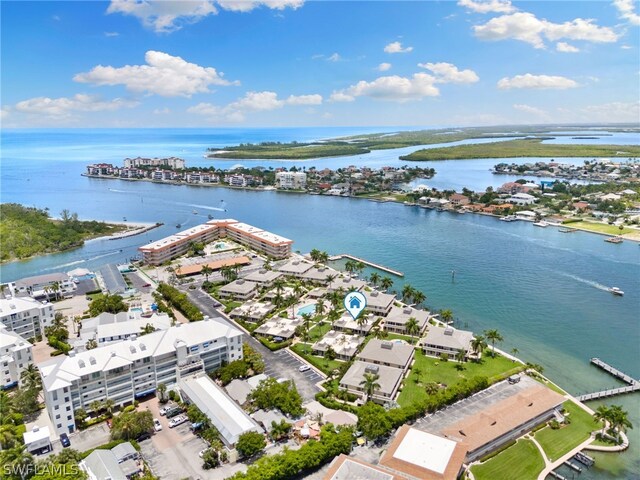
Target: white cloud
161,111
334,58
252,102
537,82
65,106
486,6
626,10
626,47
613,112
111,34
566,48
396,47
526,27
393,87
529,109
383,67
449,73
169,16
163,75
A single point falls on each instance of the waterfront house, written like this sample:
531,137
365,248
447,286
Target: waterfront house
295,267
388,378
318,275
263,277
346,284
396,354
347,323
379,303
396,321
581,206
41,286
447,341
458,200
239,290
295,180
522,199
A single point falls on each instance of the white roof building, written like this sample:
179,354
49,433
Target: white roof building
37,439
15,356
26,316
225,414
107,328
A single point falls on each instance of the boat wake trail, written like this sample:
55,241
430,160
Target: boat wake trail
64,265
119,191
597,285
204,207
101,256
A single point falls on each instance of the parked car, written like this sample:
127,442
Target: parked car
179,420
165,409
196,426
146,285
304,368
64,440
173,412
143,436
156,425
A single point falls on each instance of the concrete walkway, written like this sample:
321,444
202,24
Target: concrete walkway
564,458
611,448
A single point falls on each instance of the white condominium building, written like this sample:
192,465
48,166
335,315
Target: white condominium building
25,316
172,162
291,179
168,248
15,356
133,368
48,285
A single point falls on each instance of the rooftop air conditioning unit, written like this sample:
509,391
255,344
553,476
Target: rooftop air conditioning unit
387,345
372,369
448,331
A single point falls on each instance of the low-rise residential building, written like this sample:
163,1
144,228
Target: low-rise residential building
295,267
396,321
389,353
319,275
447,341
284,328
263,277
359,326
348,284
458,200
379,303
225,414
240,289
37,440
109,464
130,369
389,379
26,316
15,357
344,345
252,311
111,279
108,328
47,286
296,180
522,199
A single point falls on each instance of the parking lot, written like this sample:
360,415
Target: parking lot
288,367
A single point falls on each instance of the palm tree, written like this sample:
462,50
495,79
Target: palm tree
7,436
109,405
431,388
493,336
602,414
386,283
315,254
461,354
418,297
30,377
374,278
478,344
619,419
18,460
320,307
206,271
161,389
407,292
412,327
278,284
359,267
330,353
361,320
330,278
514,352
370,384
55,286
91,344
7,405
298,290
379,333
324,257
417,372
446,316
95,406
148,328
350,266
47,291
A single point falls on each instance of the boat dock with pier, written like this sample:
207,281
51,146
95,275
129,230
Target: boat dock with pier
633,384
366,262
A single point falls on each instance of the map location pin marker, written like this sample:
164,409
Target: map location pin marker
355,303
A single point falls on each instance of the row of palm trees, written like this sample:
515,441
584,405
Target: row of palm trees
616,417
55,287
385,282
412,295
319,256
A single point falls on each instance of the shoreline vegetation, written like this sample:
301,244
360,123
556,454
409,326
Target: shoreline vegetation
362,144
27,232
530,147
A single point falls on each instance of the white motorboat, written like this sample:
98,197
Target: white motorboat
616,291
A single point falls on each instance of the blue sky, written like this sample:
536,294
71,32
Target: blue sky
132,63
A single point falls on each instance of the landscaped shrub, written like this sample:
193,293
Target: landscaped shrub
180,301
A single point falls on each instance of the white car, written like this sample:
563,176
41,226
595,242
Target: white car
164,410
304,368
179,420
156,425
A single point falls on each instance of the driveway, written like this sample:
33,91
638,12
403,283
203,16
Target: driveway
277,364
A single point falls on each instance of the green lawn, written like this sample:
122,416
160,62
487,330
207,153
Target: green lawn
318,331
522,461
558,442
327,366
445,373
600,227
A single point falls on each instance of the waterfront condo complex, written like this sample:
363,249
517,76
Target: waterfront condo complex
133,368
173,246
25,316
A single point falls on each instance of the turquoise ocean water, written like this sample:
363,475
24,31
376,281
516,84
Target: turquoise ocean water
545,291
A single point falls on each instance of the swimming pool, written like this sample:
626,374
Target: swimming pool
311,309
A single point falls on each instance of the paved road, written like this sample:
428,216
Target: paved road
281,364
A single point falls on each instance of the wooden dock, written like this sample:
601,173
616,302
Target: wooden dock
366,262
633,385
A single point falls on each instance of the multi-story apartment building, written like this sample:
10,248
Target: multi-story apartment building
175,245
133,368
172,162
51,284
100,169
15,356
25,316
291,179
